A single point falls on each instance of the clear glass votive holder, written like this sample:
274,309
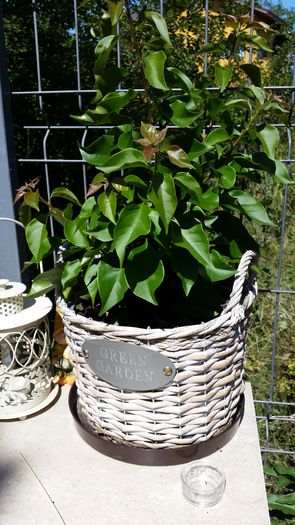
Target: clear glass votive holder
202,484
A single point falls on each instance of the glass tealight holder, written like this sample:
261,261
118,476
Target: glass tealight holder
202,484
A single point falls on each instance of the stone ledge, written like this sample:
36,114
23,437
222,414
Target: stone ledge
44,460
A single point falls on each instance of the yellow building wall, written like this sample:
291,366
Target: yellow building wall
189,38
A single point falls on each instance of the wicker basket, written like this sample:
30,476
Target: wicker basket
203,397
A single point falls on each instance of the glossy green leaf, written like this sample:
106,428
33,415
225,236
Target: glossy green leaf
46,281
85,118
216,136
258,41
146,289
60,215
178,157
128,194
185,267
128,158
98,151
188,182
112,285
232,228
135,181
228,176
144,273
108,78
103,50
259,93
163,197
223,76
276,106
195,241
155,220
24,214
261,159
125,140
91,282
269,138
133,222
70,273
253,72
197,150
31,198
208,221
282,174
97,97
65,193
102,235
214,106
74,232
137,250
209,200
160,25
153,67
182,116
253,208
119,185
37,239
89,255
114,102
218,270
98,112
238,102
182,80
126,128
87,209
107,204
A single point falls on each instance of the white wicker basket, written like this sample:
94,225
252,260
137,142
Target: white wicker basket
200,402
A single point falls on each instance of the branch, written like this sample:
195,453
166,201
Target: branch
140,61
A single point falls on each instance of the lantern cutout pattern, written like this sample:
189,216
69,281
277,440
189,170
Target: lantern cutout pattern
25,381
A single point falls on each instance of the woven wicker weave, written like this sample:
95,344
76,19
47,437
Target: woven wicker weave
201,401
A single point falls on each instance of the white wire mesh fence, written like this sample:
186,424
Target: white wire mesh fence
43,142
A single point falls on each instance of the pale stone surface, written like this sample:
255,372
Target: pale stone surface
87,487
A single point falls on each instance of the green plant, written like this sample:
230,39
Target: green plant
167,213
282,499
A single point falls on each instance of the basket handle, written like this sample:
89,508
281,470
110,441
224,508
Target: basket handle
18,223
9,219
244,288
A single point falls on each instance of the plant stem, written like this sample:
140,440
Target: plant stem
55,211
140,62
246,128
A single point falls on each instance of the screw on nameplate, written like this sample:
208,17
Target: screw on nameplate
85,353
128,366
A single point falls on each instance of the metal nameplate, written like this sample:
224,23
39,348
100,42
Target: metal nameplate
127,366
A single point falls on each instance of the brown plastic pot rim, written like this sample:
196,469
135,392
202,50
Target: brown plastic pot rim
154,457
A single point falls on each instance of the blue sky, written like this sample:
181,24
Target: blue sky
288,3
285,3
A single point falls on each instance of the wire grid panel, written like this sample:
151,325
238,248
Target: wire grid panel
46,161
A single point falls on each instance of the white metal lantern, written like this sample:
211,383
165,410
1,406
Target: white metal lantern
25,381
11,297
